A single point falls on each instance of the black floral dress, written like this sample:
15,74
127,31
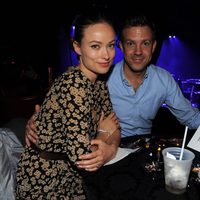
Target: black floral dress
66,124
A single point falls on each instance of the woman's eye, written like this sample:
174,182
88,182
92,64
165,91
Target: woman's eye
95,46
112,46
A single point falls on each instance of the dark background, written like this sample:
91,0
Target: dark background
33,28
36,33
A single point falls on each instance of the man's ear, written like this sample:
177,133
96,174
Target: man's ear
76,47
154,46
120,46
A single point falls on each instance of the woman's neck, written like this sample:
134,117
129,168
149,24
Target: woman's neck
89,74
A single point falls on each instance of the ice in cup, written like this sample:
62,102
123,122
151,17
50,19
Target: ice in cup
177,171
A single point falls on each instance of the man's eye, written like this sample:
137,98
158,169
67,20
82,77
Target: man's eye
130,44
147,43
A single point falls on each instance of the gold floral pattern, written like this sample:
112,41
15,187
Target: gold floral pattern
65,124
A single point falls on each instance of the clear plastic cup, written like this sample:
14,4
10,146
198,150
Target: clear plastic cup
177,171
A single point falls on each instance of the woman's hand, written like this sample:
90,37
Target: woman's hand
96,159
105,145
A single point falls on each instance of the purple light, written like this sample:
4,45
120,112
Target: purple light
172,36
176,56
72,31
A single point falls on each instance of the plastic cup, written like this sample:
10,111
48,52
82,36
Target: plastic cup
177,171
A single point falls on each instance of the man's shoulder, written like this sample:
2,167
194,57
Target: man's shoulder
158,69
160,73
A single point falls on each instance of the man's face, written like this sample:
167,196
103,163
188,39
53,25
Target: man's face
137,46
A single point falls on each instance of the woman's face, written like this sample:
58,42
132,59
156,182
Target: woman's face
96,50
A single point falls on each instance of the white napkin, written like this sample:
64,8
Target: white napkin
121,153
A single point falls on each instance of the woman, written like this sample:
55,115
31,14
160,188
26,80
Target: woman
70,118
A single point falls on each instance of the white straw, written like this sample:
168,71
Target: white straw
183,144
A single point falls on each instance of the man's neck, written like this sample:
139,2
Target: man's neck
134,78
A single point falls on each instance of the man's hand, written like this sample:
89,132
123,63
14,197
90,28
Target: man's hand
31,133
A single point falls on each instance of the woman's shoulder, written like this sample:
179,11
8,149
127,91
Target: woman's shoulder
66,78
71,72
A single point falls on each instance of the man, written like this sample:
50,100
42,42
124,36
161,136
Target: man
138,89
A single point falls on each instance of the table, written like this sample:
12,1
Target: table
154,157
139,176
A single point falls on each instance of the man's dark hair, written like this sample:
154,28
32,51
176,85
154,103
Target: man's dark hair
137,20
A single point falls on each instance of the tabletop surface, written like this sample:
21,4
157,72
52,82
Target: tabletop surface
140,175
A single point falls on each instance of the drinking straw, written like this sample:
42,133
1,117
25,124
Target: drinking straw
183,144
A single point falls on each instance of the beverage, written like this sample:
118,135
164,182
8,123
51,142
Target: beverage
177,171
174,190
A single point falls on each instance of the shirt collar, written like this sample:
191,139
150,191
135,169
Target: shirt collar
123,78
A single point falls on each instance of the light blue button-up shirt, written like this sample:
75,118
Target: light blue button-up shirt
136,110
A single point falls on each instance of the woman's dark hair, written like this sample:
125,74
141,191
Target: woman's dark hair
82,21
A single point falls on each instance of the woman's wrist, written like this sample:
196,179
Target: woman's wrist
114,149
104,131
